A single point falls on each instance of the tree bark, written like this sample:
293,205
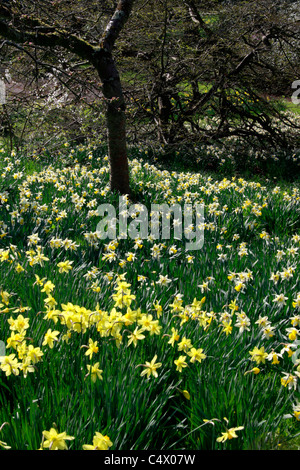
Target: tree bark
119,170
112,90
116,124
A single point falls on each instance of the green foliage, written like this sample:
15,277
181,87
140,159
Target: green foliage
251,236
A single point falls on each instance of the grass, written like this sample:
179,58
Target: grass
216,297
291,107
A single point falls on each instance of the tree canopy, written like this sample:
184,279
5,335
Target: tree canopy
191,71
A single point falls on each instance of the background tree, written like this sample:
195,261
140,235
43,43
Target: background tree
203,70
192,72
56,26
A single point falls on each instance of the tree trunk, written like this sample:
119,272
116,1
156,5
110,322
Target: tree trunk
112,90
116,124
164,113
119,171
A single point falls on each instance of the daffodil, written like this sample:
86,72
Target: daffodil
180,363
100,442
50,301
174,336
39,281
227,327
92,348
186,394
280,299
34,353
48,287
10,365
292,333
229,434
95,372
55,441
296,410
158,309
185,344
233,306
65,266
274,357
255,371
15,340
259,355
196,355
150,367
26,367
19,268
19,324
50,337
289,380
135,336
